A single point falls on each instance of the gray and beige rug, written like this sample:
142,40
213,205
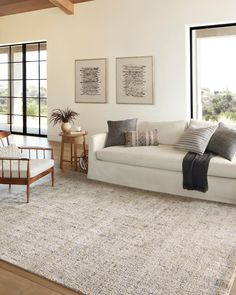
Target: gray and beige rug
111,240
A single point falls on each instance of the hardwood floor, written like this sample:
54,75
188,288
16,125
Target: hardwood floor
233,291
14,280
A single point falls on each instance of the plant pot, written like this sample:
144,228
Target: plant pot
66,127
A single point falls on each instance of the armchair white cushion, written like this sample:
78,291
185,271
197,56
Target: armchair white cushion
11,151
36,166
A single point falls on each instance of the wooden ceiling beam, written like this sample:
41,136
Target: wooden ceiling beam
8,7
14,6
66,5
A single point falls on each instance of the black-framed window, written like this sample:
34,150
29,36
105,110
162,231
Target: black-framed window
23,88
212,68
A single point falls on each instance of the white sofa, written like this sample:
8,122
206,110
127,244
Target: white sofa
159,168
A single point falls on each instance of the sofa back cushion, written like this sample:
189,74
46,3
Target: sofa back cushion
169,132
200,123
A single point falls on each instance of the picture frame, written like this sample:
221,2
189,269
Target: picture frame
90,80
134,80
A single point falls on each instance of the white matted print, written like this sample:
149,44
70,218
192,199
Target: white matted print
90,80
134,80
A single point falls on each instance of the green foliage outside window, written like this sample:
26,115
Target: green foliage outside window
3,106
220,106
32,103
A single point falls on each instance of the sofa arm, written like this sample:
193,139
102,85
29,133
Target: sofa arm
96,142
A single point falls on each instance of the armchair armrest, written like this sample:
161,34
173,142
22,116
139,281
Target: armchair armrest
38,152
13,159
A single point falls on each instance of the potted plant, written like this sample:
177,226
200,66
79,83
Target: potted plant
65,117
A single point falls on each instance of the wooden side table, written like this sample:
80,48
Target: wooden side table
73,138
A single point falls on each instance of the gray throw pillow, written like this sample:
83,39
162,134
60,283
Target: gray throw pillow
223,142
195,140
117,130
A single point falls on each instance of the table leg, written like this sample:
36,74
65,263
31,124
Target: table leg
71,153
75,156
84,147
62,154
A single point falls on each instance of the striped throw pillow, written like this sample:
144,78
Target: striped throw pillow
135,138
195,140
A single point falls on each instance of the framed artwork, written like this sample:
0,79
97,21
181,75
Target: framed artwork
134,80
90,80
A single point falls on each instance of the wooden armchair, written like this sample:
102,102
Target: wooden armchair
4,138
35,163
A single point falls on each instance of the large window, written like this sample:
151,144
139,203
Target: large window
213,61
23,88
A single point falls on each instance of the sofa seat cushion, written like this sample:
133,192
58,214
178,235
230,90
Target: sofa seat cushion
37,166
164,157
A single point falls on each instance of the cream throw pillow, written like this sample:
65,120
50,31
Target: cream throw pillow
135,138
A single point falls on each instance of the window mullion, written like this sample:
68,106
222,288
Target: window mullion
39,89
10,88
24,89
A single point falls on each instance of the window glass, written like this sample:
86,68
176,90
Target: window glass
4,72
4,106
17,123
16,69
32,107
17,88
32,88
16,53
23,88
32,52
32,70
43,51
17,106
215,92
4,54
4,88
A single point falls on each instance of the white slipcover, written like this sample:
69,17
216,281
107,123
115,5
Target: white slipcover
221,189
164,157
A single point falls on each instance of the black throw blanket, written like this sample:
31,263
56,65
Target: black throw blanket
195,169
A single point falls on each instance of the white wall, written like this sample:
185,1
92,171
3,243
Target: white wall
115,28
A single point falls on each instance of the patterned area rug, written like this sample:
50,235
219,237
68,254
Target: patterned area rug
110,240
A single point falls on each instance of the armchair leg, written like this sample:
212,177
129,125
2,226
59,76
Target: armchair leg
52,176
28,192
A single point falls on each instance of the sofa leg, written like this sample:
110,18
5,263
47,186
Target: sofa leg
28,192
9,187
52,176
